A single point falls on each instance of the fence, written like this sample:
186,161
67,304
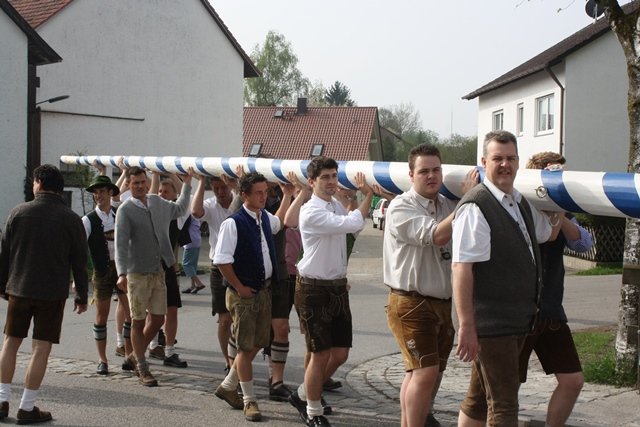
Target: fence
608,244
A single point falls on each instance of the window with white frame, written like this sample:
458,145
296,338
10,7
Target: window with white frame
520,119
498,120
544,114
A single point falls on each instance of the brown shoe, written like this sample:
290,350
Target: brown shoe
252,412
33,416
130,364
4,410
229,396
157,353
120,351
146,379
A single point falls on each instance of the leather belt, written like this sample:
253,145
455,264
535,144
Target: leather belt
415,294
320,282
265,286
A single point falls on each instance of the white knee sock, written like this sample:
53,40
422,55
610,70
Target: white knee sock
154,342
169,351
314,408
28,399
302,393
120,340
5,392
231,380
247,392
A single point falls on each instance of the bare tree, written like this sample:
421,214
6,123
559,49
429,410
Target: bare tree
625,27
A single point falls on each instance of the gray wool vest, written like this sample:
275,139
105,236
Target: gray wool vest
507,288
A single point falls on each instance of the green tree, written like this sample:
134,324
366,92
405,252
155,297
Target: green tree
338,94
281,82
411,139
625,29
459,150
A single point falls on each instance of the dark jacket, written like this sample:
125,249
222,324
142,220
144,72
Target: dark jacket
42,243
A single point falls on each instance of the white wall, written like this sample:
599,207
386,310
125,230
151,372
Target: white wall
597,125
507,98
169,65
13,114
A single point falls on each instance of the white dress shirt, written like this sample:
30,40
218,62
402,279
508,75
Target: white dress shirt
471,238
228,239
324,226
214,215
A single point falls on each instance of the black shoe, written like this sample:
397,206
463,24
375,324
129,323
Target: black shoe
187,291
279,392
318,421
33,416
129,363
103,369
174,361
161,338
4,410
326,409
431,421
330,385
197,289
300,405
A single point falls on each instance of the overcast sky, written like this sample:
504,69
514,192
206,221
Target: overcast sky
429,53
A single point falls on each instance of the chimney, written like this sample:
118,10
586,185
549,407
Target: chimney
302,106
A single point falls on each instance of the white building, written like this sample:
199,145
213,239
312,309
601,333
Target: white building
571,99
21,50
150,77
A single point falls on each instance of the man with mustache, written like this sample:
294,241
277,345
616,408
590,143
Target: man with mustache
496,282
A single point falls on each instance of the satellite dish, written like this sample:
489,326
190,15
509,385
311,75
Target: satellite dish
594,9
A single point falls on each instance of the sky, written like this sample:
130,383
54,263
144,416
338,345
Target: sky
425,52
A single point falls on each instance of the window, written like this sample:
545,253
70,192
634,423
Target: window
498,117
544,114
255,150
317,150
520,119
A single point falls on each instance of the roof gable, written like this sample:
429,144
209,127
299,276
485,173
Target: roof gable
40,52
554,55
37,12
345,132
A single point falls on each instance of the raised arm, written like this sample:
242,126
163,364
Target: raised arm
366,190
285,203
155,182
197,204
304,194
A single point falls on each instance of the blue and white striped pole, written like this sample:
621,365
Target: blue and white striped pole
598,193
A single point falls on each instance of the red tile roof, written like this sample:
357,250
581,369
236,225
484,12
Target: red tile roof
39,51
37,12
344,131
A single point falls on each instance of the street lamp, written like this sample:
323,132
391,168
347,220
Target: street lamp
54,99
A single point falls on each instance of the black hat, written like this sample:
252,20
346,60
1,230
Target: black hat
103,181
